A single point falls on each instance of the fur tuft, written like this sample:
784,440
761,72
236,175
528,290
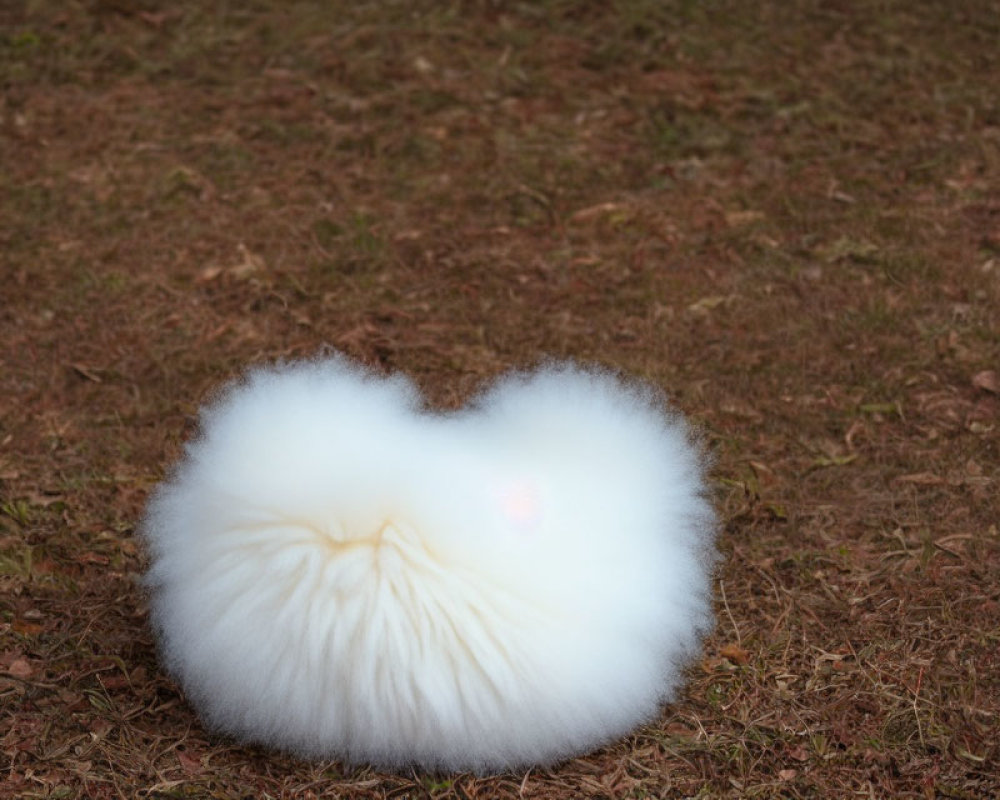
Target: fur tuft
338,572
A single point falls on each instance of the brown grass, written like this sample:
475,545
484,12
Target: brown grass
786,214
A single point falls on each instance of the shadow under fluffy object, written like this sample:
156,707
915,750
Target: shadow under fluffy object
339,572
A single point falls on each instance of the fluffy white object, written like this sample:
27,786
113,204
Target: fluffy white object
339,572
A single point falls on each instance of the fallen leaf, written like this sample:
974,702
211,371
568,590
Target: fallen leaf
422,65
787,774
681,730
20,668
190,762
799,753
113,682
987,380
735,654
209,273
26,628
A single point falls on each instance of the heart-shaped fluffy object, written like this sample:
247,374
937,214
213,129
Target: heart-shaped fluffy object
339,572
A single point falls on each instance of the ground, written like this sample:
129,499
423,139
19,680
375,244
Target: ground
785,214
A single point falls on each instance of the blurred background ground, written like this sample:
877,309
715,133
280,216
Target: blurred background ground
786,214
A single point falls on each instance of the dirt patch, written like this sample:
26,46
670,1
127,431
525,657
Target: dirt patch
788,216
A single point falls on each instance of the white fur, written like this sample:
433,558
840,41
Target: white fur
339,572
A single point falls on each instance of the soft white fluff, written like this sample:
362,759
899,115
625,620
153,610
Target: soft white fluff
339,572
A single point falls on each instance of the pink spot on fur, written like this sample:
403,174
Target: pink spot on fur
521,504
